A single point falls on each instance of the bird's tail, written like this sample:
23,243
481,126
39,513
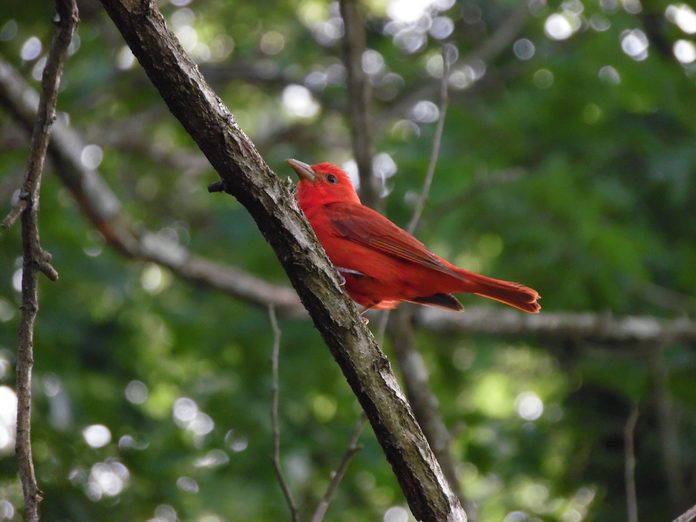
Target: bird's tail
512,294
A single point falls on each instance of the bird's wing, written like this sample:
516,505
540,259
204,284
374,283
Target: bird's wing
367,227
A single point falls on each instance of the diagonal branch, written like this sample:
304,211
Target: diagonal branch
102,207
36,259
270,203
687,516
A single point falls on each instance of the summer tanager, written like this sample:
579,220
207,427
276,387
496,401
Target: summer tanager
381,263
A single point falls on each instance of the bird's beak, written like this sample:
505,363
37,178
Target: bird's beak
302,170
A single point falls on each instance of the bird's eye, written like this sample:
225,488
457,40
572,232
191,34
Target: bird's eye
331,178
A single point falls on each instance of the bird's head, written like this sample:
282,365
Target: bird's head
322,183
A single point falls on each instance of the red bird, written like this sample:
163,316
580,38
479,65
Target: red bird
381,263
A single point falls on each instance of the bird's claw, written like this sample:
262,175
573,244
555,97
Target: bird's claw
348,271
341,279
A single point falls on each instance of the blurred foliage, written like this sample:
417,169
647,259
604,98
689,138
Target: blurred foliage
152,396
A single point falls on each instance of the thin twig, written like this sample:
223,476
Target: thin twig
14,213
687,516
351,450
275,425
430,173
358,100
36,259
630,465
437,141
667,426
416,379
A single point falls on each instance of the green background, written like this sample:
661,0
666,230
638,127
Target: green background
596,150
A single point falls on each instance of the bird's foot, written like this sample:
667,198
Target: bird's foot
365,320
341,279
342,272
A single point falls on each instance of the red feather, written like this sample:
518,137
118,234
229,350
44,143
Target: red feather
382,263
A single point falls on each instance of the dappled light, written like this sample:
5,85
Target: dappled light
684,51
425,112
106,479
524,49
635,44
559,137
8,416
529,406
683,16
124,58
561,26
136,392
97,435
31,49
92,156
609,74
396,514
299,102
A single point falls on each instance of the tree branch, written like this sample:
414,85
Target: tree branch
102,207
36,259
630,466
275,425
358,100
687,516
586,326
275,211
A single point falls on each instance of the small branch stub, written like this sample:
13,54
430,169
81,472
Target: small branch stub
218,186
14,213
